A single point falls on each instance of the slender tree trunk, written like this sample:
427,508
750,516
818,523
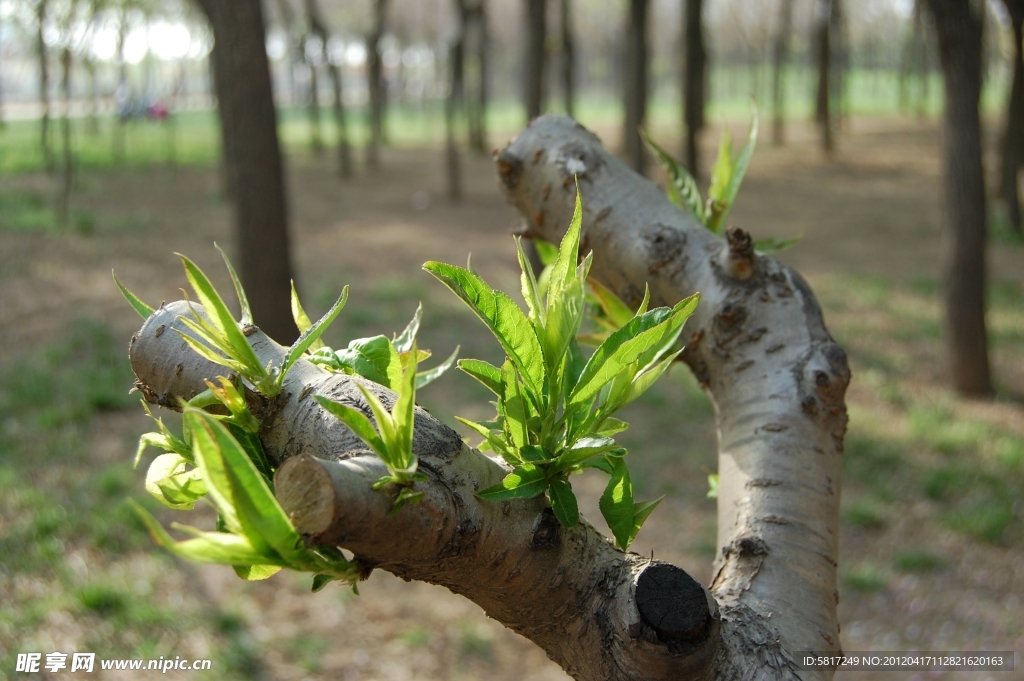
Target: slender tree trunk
921,61
536,57
959,30
375,82
695,64
453,103
1013,137
252,157
44,86
123,97
93,121
318,27
3,118
568,58
316,140
840,62
780,62
823,40
636,83
474,55
67,166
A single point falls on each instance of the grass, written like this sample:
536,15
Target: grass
72,546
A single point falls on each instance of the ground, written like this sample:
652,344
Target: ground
932,543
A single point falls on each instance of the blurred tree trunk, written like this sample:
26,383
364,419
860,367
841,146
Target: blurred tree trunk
823,46
44,86
840,45
3,119
252,157
93,121
695,68
294,51
921,60
474,41
375,84
318,27
67,166
568,58
536,57
453,102
122,95
1013,137
780,63
636,83
959,29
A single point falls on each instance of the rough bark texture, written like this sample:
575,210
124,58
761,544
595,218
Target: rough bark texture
757,343
636,83
695,62
823,47
959,33
375,84
1013,136
780,61
536,57
252,158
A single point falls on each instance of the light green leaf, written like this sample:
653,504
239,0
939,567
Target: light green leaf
503,317
740,166
430,375
547,252
584,448
497,443
721,173
255,573
682,188
488,374
302,321
564,316
534,454
616,503
529,286
312,334
320,581
614,308
220,316
403,412
214,471
357,423
394,455
611,426
641,512
712,486
639,385
209,353
524,482
513,407
563,503
564,267
404,341
774,245
173,484
243,302
144,310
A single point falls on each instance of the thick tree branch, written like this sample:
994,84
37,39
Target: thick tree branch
758,345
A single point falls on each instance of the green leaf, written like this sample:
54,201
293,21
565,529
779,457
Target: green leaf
255,573
740,166
534,454
564,267
721,173
356,422
320,581
373,358
205,547
616,310
404,341
601,463
682,188
645,335
497,443
258,511
611,426
513,407
524,482
221,318
243,301
769,246
584,448
528,280
616,503
302,321
503,317
403,413
173,484
209,353
641,512
564,316
144,310
488,374
712,485
405,496
427,377
547,252
639,385
393,454
563,503
211,463
312,334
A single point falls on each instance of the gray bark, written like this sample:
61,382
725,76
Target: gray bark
758,345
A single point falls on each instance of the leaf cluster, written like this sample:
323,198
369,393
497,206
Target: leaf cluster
555,406
726,179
